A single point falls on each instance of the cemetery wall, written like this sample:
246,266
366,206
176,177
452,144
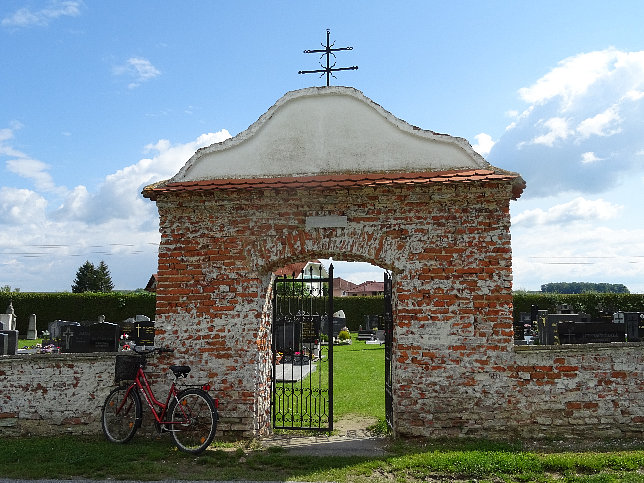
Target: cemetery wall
583,391
54,393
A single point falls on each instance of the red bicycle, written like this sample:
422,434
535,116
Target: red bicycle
189,414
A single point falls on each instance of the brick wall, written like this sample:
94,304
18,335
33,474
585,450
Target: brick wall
447,245
53,394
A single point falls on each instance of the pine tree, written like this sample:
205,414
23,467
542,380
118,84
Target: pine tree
92,279
103,278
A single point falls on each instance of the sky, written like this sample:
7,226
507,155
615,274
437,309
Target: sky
99,99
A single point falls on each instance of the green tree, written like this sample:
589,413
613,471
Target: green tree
103,278
93,279
583,287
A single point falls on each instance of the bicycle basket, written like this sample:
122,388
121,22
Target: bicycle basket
126,367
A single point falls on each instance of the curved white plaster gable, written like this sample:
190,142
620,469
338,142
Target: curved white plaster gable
329,130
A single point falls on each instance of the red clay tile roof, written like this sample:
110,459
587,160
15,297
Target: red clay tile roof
367,287
338,181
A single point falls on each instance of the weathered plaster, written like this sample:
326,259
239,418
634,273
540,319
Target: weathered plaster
329,130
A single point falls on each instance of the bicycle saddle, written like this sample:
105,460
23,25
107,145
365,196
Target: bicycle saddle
180,370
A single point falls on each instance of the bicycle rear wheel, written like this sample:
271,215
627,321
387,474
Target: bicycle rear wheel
194,420
121,415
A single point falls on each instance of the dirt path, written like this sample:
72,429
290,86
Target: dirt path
350,438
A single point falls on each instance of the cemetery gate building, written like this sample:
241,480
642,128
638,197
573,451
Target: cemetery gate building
326,172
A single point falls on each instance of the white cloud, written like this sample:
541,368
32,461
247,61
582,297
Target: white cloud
590,107
589,157
119,196
557,130
138,69
20,206
572,78
577,210
25,17
605,123
484,143
32,169
42,244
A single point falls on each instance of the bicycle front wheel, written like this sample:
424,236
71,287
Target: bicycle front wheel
193,420
121,415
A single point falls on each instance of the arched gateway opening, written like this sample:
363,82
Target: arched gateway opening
326,171
317,360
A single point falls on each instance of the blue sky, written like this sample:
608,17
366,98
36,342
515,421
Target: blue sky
98,99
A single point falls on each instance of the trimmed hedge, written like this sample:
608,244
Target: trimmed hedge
77,307
117,307
355,308
589,303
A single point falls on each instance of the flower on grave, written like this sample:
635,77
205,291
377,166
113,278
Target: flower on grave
125,336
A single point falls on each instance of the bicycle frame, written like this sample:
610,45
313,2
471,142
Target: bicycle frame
141,382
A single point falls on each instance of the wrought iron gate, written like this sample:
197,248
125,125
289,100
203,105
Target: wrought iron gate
302,345
389,334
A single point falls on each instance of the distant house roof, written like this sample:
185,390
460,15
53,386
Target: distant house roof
367,288
341,286
152,284
295,269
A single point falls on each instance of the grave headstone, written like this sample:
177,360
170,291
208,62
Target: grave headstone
32,333
67,338
7,321
287,336
104,337
144,331
73,338
4,344
56,328
632,322
12,341
139,330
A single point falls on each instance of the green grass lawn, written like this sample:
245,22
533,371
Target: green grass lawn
359,380
69,457
22,343
358,387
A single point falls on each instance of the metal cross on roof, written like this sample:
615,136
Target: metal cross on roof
328,51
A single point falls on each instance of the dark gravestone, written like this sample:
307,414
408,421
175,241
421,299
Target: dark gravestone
74,338
587,332
104,337
12,341
138,330
338,324
309,328
143,333
56,328
4,344
65,333
632,322
287,336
